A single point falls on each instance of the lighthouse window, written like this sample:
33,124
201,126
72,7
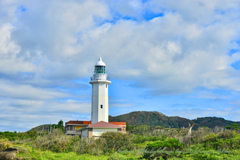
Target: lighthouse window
101,106
100,70
106,85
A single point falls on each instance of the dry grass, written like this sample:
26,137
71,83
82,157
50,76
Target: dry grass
5,145
55,141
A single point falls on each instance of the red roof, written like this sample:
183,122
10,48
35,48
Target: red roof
118,123
103,124
78,122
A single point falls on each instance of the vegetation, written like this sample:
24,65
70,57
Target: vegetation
168,145
49,127
141,142
12,136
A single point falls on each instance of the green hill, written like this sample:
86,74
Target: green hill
211,122
41,128
159,119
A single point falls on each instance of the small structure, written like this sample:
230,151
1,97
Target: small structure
71,127
96,129
75,127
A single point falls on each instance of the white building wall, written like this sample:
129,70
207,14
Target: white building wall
95,91
98,131
72,132
99,97
84,133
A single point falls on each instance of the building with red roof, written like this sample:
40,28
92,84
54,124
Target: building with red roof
74,127
96,129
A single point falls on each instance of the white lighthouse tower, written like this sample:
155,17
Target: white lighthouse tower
100,83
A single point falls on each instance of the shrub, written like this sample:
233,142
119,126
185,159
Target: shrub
224,140
12,136
218,129
141,138
163,149
89,146
155,138
226,135
55,141
235,126
170,145
142,130
199,135
115,141
5,145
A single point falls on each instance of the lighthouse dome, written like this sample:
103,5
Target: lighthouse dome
100,67
100,62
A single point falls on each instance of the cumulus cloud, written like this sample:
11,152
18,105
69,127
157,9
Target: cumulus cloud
26,114
176,52
28,92
166,47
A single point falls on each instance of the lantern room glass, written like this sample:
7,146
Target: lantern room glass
100,70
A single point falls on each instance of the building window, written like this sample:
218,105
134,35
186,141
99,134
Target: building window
101,106
106,85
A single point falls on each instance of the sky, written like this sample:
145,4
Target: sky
180,58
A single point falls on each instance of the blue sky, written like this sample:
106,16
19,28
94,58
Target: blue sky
181,59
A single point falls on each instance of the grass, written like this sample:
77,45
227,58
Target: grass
36,154
48,155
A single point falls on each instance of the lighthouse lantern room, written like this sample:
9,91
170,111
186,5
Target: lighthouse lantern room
100,82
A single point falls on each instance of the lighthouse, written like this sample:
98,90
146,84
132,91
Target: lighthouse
99,82
99,114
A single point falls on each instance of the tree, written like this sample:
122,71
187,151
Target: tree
115,141
235,126
60,125
142,130
228,127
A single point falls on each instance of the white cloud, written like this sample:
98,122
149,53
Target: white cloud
173,51
46,45
9,51
26,114
26,91
7,47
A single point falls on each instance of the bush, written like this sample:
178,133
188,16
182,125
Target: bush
141,139
209,155
226,135
5,145
224,140
142,130
115,141
55,141
89,146
155,138
12,136
169,145
163,149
